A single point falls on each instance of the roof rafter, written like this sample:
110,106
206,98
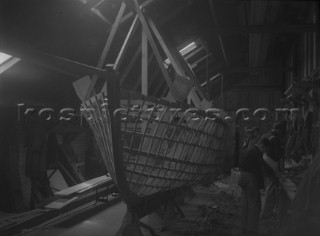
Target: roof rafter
106,49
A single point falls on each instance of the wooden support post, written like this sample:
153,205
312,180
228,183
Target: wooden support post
178,68
113,95
106,48
124,47
130,65
179,64
190,74
138,84
153,45
195,98
144,64
130,14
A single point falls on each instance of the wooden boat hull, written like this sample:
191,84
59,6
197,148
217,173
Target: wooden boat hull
164,145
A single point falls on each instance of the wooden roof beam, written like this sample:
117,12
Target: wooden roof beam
178,62
257,69
178,68
150,57
194,52
212,78
219,35
131,14
194,64
125,45
130,65
135,6
106,49
272,29
60,64
257,86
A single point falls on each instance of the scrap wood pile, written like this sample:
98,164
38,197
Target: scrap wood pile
215,217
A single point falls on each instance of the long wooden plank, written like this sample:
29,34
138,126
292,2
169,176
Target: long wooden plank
130,65
100,15
60,203
122,52
7,64
63,65
81,87
257,69
144,63
106,48
194,64
219,36
212,78
84,185
177,61
150,58
125,45
192,76
271,29
178,68
194,52
153,45
113,95
112,34
130,14
92,3
195,98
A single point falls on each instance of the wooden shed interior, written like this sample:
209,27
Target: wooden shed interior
254,55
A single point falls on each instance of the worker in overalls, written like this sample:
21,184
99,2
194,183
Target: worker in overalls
251,181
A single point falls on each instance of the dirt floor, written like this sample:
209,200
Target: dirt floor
214,210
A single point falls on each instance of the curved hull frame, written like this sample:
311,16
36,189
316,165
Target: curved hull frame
162,145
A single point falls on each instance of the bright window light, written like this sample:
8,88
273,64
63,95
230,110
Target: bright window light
188,48
184,51
4,57
6,61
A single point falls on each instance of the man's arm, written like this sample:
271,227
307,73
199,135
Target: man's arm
276,148
272,164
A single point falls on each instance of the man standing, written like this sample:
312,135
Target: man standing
251,181
275,164
253,136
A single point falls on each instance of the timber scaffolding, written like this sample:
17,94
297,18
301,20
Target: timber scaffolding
152,147
149,155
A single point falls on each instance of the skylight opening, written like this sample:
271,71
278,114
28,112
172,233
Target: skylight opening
190,47
6,61
4,57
